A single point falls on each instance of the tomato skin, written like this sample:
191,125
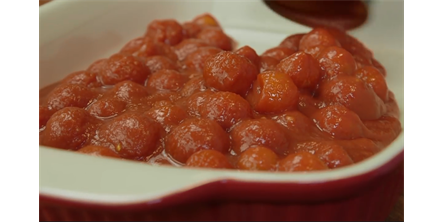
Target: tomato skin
301,161
259,132
208,159
183,94
228,71
258,159
194,135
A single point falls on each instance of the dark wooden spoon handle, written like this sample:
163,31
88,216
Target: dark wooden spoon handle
337,14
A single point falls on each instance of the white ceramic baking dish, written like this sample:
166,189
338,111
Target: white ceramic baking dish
73,34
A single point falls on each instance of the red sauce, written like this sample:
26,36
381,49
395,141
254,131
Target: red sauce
179,96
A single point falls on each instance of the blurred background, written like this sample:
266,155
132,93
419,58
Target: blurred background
44,1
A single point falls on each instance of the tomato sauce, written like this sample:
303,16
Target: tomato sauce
183,95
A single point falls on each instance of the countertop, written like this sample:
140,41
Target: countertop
397,213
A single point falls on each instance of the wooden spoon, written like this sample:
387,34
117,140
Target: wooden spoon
344,15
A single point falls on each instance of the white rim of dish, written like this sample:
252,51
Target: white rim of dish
365,166
211,175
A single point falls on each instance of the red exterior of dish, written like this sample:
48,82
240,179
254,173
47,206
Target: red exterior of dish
367,197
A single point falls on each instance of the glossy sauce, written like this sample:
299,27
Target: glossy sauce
180,96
